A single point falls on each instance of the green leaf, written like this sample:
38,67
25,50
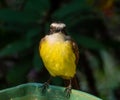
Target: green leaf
73,7
10,27
15,47
37,6
88,42
111,71
32,33
110,78
57,81
17,75
37,61
8,15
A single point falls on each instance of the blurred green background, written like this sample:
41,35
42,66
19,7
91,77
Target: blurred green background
93,24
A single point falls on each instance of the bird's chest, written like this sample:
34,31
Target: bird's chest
55,49
58,56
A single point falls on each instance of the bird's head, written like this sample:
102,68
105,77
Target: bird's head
57,27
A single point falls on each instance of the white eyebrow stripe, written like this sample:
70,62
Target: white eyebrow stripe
58,25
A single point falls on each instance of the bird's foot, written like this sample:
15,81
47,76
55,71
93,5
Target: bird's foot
44,87
68,91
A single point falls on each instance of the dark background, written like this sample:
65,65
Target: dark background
93,24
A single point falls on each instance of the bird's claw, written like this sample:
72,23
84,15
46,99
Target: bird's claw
68,91
44,87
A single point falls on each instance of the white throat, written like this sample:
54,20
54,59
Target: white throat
56,37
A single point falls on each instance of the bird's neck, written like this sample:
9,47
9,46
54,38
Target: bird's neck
60,37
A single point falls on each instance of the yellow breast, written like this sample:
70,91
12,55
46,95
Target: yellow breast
58,56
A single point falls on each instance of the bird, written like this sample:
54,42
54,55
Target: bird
60,54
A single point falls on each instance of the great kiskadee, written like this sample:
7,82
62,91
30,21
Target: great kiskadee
59,53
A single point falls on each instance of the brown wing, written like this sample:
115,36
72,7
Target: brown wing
76,51
75,81
74,47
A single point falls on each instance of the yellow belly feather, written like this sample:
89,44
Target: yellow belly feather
58,58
